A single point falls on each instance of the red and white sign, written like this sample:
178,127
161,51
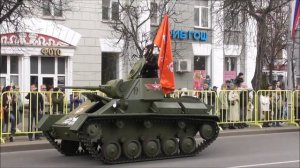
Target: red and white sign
31,39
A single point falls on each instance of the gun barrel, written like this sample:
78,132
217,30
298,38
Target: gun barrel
81,87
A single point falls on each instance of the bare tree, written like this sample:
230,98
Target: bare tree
261,11
13,11
277,37
132,24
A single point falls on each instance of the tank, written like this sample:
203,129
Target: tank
134,122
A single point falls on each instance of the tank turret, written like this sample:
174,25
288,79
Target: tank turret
112,89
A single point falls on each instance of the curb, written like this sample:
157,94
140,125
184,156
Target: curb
25,145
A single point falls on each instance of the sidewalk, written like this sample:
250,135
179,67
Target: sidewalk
21,143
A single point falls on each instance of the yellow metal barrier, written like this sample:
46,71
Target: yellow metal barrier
22,113
296,105
234,107
207,97
274,107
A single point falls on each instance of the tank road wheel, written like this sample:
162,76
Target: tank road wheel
207,131
170,146
151,148
187,145
69,148
111,151
132,149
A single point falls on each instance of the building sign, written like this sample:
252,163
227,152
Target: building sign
31,39
185,35
229,75
51,51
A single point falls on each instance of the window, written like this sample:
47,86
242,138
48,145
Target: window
3,64
109,67
14,65
232,21
201,17
50,71
230,63
47,65
110,10
9,69
52,8
154,13
61,65
199,63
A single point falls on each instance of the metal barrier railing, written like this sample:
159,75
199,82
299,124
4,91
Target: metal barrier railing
232,106
21,111
296,105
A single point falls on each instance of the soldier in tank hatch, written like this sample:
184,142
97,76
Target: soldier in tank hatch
149,70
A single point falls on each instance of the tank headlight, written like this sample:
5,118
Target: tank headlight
115,104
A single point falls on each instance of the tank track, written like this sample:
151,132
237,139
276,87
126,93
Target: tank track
52,141
97,154
57,145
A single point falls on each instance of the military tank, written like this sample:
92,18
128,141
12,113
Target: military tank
134,122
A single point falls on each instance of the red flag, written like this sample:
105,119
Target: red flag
165,59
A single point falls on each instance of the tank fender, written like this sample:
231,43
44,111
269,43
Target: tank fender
79,122
48,120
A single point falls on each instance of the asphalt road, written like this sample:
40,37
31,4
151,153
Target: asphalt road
265,150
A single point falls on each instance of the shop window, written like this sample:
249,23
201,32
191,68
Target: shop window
154,20
34,80
201,17
61,65
61,81
52,8
47,65
109,67
199,63
2,82
3,68
14,79
34,65
9,70
14,65
110,10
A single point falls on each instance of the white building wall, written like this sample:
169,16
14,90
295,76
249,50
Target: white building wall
217,54
250,52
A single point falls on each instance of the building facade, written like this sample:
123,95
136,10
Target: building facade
76,47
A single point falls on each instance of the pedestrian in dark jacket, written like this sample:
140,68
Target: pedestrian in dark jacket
57,101
36,105
8,111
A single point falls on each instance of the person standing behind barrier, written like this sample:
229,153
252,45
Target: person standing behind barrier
8,112
57,101
243,106
297,103
223,104
234,104
264,100
18,104
277,106
36,105
75,100
43,90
